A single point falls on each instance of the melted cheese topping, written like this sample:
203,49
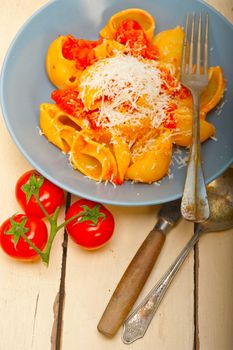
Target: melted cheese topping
129,89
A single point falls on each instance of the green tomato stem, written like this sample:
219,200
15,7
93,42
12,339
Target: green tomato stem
45,254
55,214
69,220
54,228
53,231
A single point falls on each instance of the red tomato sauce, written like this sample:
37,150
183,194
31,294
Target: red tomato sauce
80,50
68,100
131,33
170,122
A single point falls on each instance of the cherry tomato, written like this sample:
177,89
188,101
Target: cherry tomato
14,244
50,195
94,225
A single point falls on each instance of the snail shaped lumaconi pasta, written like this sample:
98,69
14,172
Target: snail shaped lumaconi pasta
100,157
151,157
140,16
119,105
61,71
108,48
170,43
212,95
58,126
183,134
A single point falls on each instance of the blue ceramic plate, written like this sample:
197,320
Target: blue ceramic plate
24,85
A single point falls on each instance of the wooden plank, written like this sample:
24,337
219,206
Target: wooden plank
224,7
215,304
215,267
27,291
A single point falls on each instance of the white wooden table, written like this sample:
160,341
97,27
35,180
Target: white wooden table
194,315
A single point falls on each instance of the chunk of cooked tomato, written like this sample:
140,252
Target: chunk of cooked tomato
68,100
132,34
80,50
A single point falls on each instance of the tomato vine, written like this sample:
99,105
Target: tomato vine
40,199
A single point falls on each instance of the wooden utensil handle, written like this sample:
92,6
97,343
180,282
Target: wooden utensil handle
131,284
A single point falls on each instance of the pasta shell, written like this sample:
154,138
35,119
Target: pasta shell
144,18
93,159
61,72
153,164
58,126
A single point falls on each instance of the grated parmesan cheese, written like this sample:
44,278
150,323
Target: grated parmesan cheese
130,90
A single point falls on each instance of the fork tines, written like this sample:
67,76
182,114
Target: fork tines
193,49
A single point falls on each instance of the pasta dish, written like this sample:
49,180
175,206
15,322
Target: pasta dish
119,106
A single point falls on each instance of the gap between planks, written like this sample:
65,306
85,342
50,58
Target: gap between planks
56,336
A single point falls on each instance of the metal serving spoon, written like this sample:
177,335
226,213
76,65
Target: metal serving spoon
220,195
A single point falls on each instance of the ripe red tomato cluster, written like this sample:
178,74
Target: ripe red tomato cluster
89,224
30,223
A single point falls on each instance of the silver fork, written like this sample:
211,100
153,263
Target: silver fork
194,205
